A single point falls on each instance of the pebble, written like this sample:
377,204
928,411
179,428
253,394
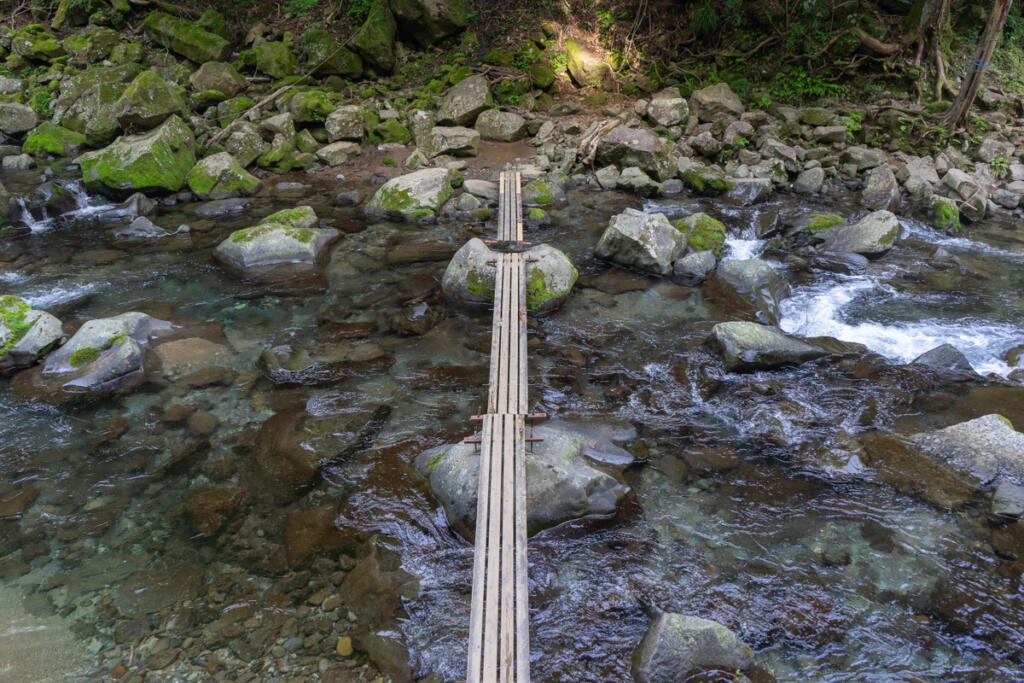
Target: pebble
344,647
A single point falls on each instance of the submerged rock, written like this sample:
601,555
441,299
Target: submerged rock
755,282
26,334
751,346
562,483
678,645
693,268
647,242
324,364
469,278
871,236
413,197
158,160
947,357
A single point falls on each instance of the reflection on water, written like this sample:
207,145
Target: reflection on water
743,510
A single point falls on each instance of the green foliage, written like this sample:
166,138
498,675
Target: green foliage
852,121
1001,167
704,19
560,62
796,86
358,10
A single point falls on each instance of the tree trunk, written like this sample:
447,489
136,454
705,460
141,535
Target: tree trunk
986,46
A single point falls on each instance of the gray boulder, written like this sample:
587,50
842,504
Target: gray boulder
871,236
469,278
647,242
632,179
881,191
639,147
694,268
809,181
991,148
26,334
284,237
678,645
946,357
338,153
705,144
415,196
746,346
667,108
561,480
217,76
345,123
504,126
862,157
16,118
984,452
105,354
747,191
427,21
756,282
244,142
464,101
715,101
454,140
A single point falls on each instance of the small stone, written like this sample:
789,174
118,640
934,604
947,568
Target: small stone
344,647
1008,500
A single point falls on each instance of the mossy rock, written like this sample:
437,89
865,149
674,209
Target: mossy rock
375,39
703,233
705,181
542,75
36,43
229,110
822,221
220,176
148,101
214,22
158,160
311,106
186,38
414,197
49,138
329,57
274,58
944,213
128,53
279,156
500,57
391,131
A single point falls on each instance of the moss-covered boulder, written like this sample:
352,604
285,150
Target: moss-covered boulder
128,52
702,233
646,242
93,45
944,213
231,109
704,180
585,68
87,101
26,334
214,22
347,122
504,126
427,21
464,102
328,56
147,102
244,142
871,236
543,191
311,105
186,38
49,138
158,160
219,76
541,75
375,39
414,197
16,118
36,43
392,130
288,236
220,176
469,278
454,140
278,155
817,222
275,58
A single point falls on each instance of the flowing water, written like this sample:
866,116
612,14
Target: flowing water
747,504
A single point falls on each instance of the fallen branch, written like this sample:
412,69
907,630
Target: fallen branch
266,100
587,149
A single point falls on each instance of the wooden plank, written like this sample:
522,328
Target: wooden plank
493,574
522,578
508,537
518,205
483,500
492,389
521,372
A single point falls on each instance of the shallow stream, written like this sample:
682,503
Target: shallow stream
746,505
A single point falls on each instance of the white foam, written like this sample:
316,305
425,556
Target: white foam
737,248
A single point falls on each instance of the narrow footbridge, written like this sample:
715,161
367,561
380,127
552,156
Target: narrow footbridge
499,625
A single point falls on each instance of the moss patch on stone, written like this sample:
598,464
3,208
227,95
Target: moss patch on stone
823,221
84,356
13,312
245,235
703,232
480,286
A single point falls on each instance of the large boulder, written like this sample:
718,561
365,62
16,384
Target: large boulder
677,646
715,101
585,68
186,38
158,160
638,147
693,268
16,118
465,101
945,357
881,190
504,126
414,197
871,236
287,236
36,43
750,346
646,242
469,278
48,138
757,284
220,176
702,233
275,58
560,476
454,140
26,334
147,102
87,102
104,355
346,123
427,21
375,39
329,57
244,142
667,108
219,76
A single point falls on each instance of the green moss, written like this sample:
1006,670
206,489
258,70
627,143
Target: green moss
436,460
481,214
1006,420
421,215
13,312
537,192
479,286
537,292
705,183
500,57
537,214
703,232
245,235
292,217
117,339
946,214
84,356
390,131
48,138
823,221
186,38
459,74
388,161
158,160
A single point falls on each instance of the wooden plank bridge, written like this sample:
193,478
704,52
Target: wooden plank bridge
499,626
